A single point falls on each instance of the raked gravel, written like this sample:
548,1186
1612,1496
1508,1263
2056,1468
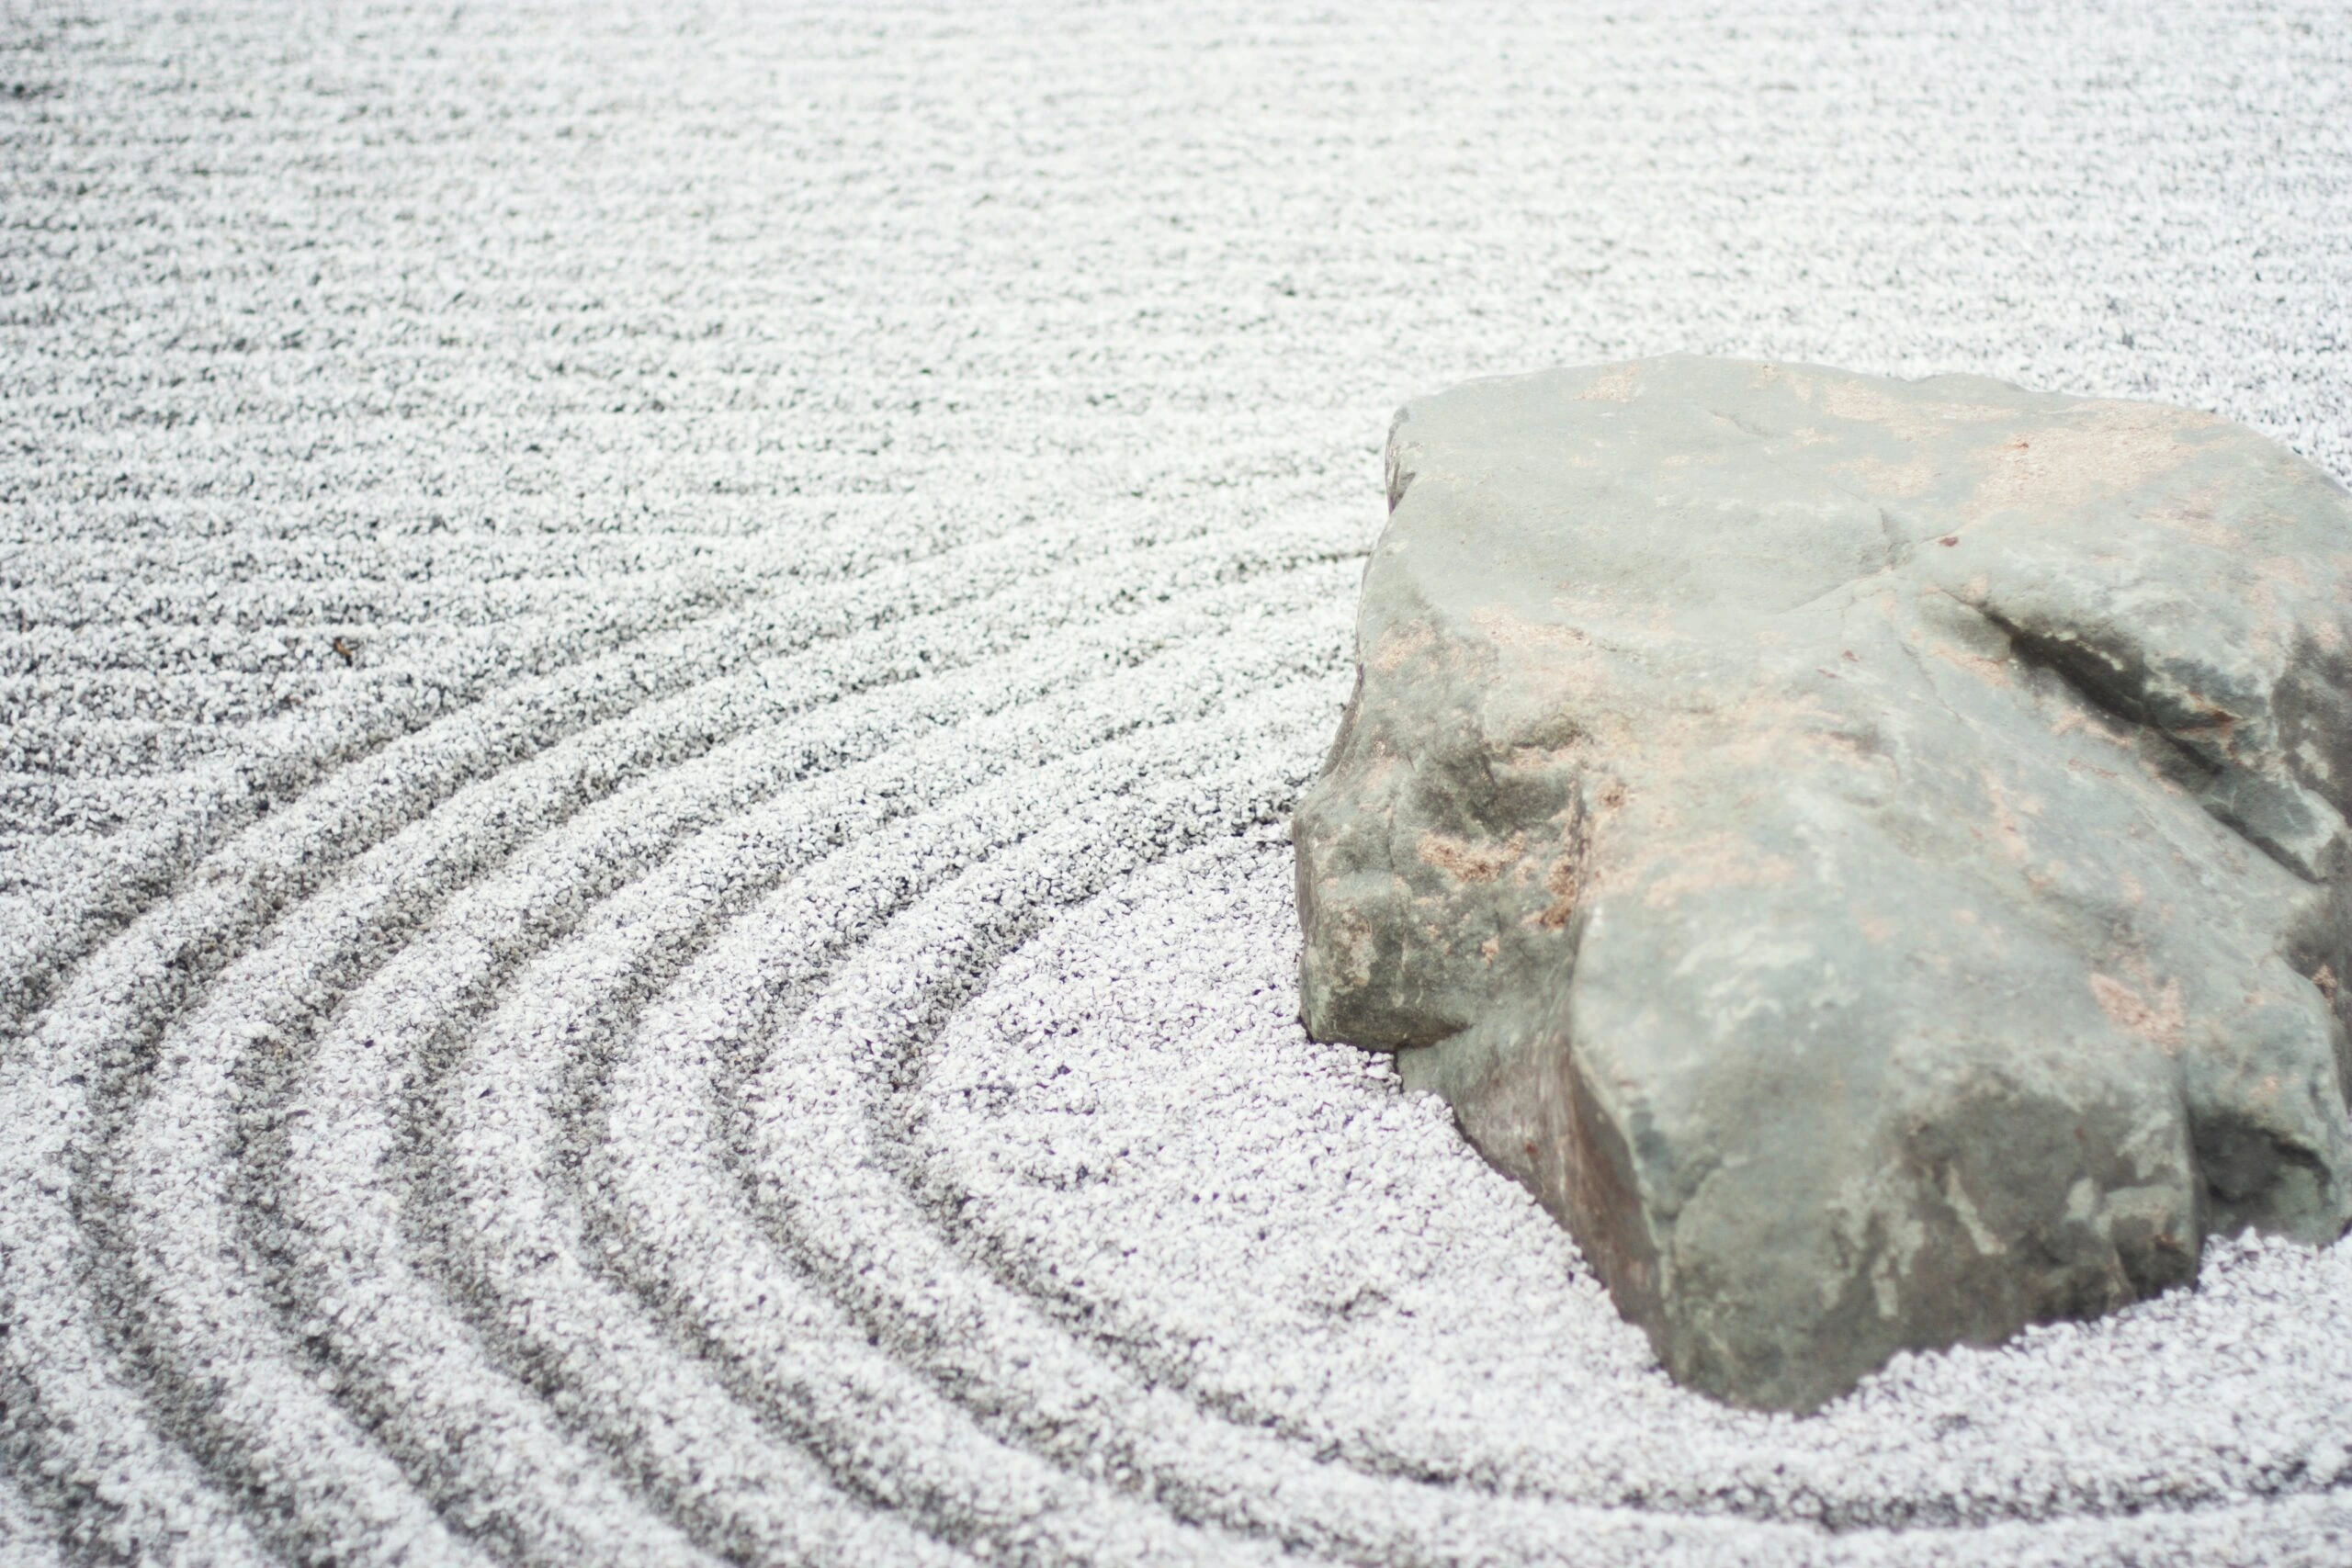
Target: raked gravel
654,664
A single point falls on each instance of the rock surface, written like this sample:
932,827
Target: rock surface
1870,855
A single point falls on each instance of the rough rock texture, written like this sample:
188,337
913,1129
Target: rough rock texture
1870,855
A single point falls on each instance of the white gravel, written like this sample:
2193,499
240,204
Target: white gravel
654,663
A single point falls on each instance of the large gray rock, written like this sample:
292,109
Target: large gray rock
1870,855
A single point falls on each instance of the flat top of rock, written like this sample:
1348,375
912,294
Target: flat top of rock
1704,484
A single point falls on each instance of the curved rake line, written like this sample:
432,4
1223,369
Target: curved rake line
278,770
665,657
276,866
559,1009
506,1221
691,1249
442,975
508,805
125,1013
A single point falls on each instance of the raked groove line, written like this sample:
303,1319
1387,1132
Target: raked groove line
506,804
511,800
653,663
436,972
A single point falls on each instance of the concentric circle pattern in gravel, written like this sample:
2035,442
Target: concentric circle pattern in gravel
654,663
